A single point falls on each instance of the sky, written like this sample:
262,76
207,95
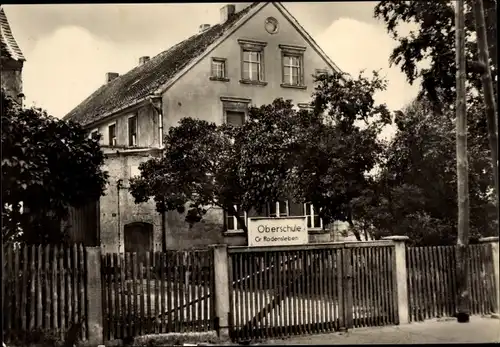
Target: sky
69,48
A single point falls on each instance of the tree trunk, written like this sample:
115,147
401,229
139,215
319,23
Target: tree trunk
462,167
489,96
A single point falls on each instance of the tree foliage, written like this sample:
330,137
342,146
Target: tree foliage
416,188
433,42
428,53
48,165
319,155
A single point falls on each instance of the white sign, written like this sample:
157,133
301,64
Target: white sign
277,231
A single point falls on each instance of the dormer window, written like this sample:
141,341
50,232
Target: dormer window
132,131
218,70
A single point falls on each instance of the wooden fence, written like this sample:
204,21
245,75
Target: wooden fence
374,298
280,291
432,281
157,292
43,291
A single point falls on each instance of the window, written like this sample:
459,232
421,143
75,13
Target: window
232,223
132,131
252,66
292,66
236,118
313,220
292,70
93,134
286,208
218,69
112,134
234,110
252,61
278,209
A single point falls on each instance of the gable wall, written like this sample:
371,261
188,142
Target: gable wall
195,95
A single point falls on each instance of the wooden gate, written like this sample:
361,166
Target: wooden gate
157,292
290,290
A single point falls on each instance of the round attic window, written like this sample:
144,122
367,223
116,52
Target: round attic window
271,25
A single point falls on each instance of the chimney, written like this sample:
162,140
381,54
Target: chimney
203,27
226,12
143,60
111,76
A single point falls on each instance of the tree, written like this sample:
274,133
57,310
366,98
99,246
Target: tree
487,84
319,156
337,153
48,165
225,166
414,192
433,42
462,167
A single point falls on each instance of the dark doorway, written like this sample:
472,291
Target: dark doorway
138,237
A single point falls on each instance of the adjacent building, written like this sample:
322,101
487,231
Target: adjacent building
11,61
256,53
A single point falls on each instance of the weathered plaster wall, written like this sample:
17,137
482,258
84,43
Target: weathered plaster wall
11,78
119,210
147,128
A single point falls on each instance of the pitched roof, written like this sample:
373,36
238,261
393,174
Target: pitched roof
145,79
8,45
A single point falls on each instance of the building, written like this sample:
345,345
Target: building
257,52
11,61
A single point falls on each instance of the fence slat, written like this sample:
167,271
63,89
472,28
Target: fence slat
24,299
149,316
141,274
175,291
39,285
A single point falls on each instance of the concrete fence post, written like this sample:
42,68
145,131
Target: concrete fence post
401,276
221,287
94,296
493,241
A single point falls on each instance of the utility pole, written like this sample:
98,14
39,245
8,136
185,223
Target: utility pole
489,97
462,168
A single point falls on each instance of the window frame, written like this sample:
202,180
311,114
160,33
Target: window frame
253,46
112,143
92,132
297,52
288,65
235,221
311,213
232,104
278,210
223,62
133,137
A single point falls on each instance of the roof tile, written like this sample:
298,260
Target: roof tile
8,45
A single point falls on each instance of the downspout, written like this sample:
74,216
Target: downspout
157,104
118,187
